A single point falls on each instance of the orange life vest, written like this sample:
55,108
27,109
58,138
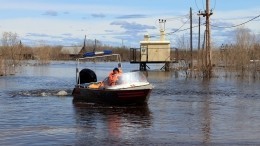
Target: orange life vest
112,78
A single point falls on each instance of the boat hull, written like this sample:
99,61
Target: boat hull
134,95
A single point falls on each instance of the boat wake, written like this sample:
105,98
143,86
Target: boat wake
41,93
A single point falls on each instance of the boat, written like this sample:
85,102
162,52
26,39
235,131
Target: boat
131,88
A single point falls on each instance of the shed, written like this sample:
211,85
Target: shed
155,51
152,51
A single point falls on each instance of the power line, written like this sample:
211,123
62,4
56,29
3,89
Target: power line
197,5
215,2
177,17
174,18
214,5
184,29
175,30
237,24
178,30
203,4
157,24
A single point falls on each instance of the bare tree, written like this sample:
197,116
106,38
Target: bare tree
183,44
43,54
241,57
11,53
244,44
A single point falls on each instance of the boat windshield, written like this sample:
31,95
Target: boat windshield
128,78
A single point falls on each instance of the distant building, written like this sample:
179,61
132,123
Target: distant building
27,53
71,51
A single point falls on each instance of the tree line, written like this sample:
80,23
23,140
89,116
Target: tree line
14,53
242,55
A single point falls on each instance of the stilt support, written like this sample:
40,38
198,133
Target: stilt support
142,66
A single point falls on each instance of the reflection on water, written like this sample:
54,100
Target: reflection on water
159,75
207,118
180,111
102,124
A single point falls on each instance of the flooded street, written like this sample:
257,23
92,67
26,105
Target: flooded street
180,111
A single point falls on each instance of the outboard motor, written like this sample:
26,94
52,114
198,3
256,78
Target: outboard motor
86,76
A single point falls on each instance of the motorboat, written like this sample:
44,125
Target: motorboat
131,88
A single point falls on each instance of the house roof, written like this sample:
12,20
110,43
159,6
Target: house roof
71,49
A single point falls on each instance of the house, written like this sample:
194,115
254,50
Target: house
71,52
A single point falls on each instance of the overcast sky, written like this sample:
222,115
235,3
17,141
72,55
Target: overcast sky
113,22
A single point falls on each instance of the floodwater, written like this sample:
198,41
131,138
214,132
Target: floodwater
180,111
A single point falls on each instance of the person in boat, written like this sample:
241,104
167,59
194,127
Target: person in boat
114,76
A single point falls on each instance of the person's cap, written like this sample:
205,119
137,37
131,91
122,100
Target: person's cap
116,69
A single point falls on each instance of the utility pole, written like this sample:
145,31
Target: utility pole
191,58
84,45
203,56
207,13
199,52
95,46
199,36
209,67
123,43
